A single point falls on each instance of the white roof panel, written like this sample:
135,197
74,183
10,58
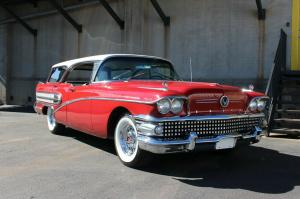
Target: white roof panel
100,58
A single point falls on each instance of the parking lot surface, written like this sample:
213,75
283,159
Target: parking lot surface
36,164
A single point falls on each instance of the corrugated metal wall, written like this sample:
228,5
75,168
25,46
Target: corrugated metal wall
223,39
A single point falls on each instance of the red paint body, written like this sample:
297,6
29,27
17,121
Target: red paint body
86,114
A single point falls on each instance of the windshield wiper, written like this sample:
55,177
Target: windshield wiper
122,74
136,75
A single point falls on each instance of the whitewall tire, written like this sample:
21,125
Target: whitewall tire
126,143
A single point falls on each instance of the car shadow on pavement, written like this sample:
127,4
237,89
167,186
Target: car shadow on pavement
285,136
102,144
17,109
250,168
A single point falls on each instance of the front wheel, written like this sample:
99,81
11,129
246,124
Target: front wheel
53,126
126,143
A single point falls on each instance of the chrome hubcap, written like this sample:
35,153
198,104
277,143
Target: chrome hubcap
127,139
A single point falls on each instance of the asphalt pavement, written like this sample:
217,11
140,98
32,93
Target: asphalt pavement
36,164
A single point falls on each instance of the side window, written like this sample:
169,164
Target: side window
56,74
80,74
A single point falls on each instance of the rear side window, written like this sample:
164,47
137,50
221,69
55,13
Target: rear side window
80,74
56,74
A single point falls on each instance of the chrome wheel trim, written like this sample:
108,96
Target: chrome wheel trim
126,139
51,119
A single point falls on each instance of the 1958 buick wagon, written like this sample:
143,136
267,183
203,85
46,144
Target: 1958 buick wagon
141,103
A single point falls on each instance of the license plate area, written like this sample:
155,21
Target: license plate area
226,143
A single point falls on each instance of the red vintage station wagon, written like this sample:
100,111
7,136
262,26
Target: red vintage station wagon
141,103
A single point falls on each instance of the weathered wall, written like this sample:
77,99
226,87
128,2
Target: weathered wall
223,39
3,68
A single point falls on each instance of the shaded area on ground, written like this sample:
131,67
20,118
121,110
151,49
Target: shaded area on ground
17,109
250,168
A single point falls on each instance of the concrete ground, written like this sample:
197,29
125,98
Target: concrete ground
37,164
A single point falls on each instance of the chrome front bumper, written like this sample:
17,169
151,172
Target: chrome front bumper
192,142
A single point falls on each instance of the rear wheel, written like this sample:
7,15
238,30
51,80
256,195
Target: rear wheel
53,126
126,143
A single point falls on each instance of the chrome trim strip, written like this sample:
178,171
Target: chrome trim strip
52,98
215,100
208,102
103,99
205,101
217,110
171,97
152,88
45,100
148,118
114,99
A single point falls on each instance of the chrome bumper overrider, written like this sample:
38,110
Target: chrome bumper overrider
155,144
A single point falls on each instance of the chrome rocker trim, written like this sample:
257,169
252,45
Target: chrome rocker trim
157,145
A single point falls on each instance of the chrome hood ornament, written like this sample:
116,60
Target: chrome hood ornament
165,85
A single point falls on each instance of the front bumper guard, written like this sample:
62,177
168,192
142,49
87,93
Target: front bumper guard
148,141
159,146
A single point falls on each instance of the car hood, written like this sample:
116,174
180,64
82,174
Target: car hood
165,88
202,97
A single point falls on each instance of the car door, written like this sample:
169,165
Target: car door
78,94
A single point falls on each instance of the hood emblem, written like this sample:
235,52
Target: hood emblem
224,101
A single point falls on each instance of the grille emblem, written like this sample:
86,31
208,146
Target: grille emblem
224,101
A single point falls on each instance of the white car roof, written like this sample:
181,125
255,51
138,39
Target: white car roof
100,58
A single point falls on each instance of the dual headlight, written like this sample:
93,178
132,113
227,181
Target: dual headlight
174,105
258,104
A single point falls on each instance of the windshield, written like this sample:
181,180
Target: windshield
126,68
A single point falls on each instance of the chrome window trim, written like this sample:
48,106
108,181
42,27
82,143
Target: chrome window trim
53,68
70,68
126,56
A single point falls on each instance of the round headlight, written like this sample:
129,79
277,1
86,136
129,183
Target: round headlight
253,106
261,105
164,106
176,106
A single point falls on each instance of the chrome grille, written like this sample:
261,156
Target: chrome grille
208,128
